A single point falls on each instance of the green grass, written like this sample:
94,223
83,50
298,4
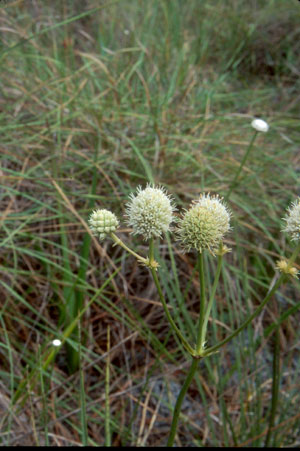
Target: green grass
97,98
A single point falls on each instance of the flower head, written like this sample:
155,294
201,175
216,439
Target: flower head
292,220
56,342
150,212
260,125
204,225
284,267
102,222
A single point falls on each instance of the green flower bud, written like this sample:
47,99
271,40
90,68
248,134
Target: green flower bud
103,222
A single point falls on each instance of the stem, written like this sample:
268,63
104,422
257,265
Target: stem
107,411
202,302
83,418
294,255
234,182
151,250
179,401
170,319
123,245
162,299
257,311
275,387
212,297
245,324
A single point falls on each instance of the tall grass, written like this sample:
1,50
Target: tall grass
96,98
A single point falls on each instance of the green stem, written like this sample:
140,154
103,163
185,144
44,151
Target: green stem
83,418
187,346
123,245
202,302
212,297
294,255
257,311
247,153
151,250
275,387
248,321
185,343
179,401
107,409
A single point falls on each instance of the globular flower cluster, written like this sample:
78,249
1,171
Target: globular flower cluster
292,220
103,222
204,225
150,212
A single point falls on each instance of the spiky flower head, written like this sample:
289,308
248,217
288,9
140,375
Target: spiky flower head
102,222
292,220
204,224
150,212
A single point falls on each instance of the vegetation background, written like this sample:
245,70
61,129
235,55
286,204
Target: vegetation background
96,98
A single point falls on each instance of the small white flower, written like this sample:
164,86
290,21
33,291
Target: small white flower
103,222
204,225
260,125
292,220
56,342
150,212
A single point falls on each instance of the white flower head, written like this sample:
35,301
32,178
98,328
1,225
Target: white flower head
150,212
103,222
260,125
292,220
56,342
204,224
